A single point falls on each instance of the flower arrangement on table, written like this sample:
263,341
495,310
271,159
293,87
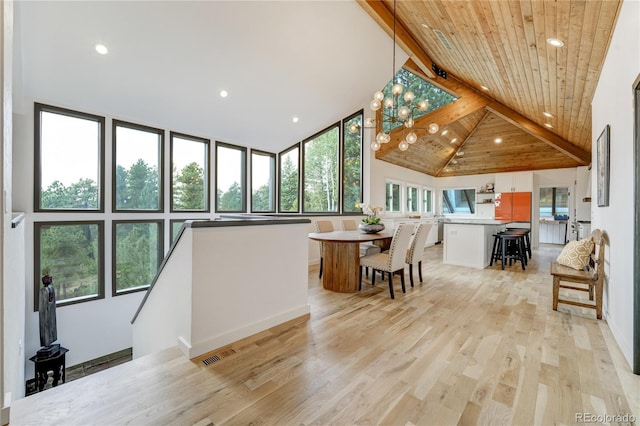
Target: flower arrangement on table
371,212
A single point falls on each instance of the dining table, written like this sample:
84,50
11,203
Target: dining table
341,258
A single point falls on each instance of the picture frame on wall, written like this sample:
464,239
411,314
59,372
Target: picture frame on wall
602,146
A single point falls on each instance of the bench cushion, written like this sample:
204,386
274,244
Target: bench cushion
576,254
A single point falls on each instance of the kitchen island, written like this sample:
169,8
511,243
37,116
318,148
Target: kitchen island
468,242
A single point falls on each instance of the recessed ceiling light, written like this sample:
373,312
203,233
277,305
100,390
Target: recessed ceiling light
444,132
447,169
498,140
454,161
295,119
224,94
484,88
547,114
460,153
101,49
425,26
555,42
549,125
454,140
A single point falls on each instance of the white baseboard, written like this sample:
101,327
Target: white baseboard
5,411
184,346
625,346
216,342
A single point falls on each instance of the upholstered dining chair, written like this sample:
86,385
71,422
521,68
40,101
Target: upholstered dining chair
349,225
365,248
391,261
322,226
416,249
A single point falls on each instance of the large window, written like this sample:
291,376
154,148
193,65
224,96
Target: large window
412,199
263,177
422,89
392,196
69,160
72,253
427,200
231,189
138,173
320,172
189,173
458,201
352,163
554,202
289,179
137,254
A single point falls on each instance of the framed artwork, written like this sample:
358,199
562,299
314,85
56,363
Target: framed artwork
602,147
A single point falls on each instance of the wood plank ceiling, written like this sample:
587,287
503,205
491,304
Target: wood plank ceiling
505,75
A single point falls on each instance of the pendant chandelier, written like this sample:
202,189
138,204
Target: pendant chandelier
393,114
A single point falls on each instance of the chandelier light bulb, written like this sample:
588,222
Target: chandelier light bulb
375,145
409,123
411,137
387,137
423,105
378,96
409,97
397,89
388,103
380,137
354,128
369,122
433,128
403,145
375,105
403,111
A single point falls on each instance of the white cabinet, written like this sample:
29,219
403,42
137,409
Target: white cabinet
514,182
432,237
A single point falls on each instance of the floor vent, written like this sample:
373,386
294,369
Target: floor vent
218,356
443,39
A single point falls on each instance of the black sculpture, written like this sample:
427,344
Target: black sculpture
47,314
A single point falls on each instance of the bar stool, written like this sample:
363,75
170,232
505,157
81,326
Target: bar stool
526,241
496,251
512,248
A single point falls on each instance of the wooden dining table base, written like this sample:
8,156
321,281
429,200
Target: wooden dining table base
342,273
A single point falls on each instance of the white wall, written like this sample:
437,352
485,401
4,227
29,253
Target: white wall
613,105
222,284
14,311
379,171
165,319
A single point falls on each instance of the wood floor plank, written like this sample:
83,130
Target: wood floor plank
464,347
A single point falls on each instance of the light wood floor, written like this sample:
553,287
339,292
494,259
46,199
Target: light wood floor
465,347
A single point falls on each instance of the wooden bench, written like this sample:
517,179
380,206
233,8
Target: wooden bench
592,277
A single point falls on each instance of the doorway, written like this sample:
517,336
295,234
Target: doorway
553,209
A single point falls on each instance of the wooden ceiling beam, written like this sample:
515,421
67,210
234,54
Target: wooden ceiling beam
580,155
384,17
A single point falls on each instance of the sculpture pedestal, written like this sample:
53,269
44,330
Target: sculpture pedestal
55,363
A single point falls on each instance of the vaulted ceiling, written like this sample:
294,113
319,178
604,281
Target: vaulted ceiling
506,75
321,61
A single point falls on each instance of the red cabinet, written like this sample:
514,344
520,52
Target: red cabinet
513,206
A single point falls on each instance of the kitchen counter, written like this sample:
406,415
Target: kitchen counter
477,221
469,242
